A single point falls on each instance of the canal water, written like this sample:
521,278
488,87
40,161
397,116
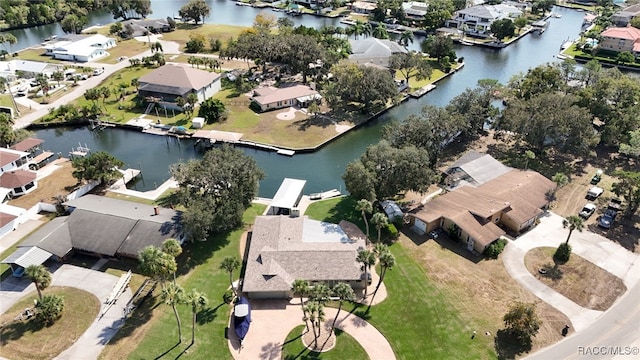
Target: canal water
323,169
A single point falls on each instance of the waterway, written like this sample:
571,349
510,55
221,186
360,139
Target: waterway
323,169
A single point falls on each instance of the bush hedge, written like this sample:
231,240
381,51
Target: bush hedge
563,253
495,249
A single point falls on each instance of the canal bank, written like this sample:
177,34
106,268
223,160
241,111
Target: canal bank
323,168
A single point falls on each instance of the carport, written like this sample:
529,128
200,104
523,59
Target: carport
287,197
25,257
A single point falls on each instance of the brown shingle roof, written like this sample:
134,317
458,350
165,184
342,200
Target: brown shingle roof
176,79
27,144
7,157
17,178
520,194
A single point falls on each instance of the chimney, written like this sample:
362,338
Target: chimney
156,210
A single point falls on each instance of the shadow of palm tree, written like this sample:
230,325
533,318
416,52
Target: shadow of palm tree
208,315
167,351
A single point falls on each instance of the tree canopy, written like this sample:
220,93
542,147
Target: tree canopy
195,10
411,64
216,190
100,166
127,9
366,87
503,28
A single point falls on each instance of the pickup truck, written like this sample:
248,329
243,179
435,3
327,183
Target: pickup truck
594,192
610,214
587,211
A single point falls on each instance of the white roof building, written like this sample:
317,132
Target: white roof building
86,48
287,197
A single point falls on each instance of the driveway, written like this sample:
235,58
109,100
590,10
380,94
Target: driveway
100,284
272,320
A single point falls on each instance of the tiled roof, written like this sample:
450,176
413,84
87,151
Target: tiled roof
27,144
627,33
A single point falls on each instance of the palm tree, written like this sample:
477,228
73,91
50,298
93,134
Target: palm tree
172,247
406,37
172,295
316,317
40,276
367,258
358,28
365,207
57,76
320,293
573,222
156,264
561,180
528,155
230,264
379,220
197,300
135,83
380,32
387,261
344,292
301,288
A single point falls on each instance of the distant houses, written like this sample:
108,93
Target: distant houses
476,20
80,48
171,81
623,18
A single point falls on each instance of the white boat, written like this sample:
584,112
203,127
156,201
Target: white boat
465,42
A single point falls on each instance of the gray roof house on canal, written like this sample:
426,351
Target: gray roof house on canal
283,249
171,81
99,226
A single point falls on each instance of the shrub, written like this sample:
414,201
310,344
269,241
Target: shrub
495,248
391,231
563,253
50,308
228,296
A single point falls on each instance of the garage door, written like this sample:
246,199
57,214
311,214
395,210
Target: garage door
420,226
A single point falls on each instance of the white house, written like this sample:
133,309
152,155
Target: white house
13,69
83,49
477,20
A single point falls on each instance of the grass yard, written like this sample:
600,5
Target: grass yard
436,75
151,330
184,31
583,282
60,182
5,100
299,132
29,339
126,48
37,54
438,297
346,347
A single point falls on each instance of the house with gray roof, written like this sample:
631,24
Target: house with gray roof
99,226
477,20
372,51
283,249
473,169
623,17
171,81
141,27
14,69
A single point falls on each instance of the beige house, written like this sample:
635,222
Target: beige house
283,249
272,98
479,215
621,39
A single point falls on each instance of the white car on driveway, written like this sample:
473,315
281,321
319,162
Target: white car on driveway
587,211
594,192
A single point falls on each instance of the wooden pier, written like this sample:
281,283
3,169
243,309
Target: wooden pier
423,90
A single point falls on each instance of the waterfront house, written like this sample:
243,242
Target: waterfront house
415,10
14,69
363,7
283,249
99,226
486,207
171,81
623,17
80,48
619,39
142,27
272,98
14,160
477,20
374,51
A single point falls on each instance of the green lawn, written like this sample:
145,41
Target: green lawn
418,318
198,269
184,31
335,210
29,339
346,348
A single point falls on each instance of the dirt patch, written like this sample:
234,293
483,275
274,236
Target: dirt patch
579,280
483,290
59,182
326,340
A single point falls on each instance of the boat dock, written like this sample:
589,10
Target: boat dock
127,175
423,90
210,138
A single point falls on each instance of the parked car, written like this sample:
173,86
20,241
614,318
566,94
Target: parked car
587,211
98,71
434,234
607,219
594,192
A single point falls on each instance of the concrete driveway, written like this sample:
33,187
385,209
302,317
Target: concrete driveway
100,284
